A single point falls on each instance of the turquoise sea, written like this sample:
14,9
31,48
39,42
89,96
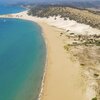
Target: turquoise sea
22,59
6,9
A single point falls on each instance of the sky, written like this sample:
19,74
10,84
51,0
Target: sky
15,1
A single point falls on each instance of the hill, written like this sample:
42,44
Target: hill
88,17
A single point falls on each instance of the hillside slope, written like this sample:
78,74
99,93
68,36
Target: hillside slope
79,15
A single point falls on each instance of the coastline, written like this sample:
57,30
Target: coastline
61,79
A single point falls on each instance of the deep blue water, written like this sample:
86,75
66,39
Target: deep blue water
22,59
10,9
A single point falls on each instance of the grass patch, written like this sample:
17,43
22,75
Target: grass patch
94,98
66,47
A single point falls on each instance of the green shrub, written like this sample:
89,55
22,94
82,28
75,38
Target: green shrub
66,47
94,98
96,75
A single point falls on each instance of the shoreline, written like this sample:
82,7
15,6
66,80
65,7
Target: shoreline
46,62
45,68
55,84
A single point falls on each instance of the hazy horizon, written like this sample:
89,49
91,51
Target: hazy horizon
36,1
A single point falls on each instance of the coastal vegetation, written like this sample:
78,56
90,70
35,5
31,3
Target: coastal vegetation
88,17
94,98
86,50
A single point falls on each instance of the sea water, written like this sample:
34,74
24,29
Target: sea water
22,59
8,9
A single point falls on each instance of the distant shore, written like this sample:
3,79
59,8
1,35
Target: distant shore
62,79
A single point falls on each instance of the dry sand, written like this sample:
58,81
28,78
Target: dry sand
63,80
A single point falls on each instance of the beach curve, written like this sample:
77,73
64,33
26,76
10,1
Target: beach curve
62,77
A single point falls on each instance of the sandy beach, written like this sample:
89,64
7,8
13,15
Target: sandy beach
62,80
